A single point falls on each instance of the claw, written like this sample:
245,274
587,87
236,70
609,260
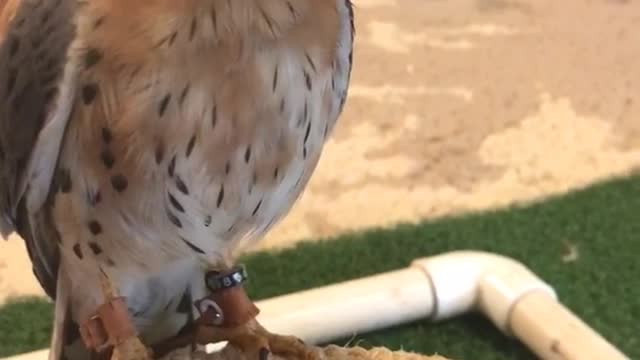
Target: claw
131,349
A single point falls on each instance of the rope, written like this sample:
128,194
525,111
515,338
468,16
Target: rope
331,352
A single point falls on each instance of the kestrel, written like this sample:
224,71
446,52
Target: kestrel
143,144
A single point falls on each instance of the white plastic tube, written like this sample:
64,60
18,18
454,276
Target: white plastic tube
437,288
351,307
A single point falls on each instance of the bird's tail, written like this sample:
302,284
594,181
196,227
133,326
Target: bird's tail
61,317
66,343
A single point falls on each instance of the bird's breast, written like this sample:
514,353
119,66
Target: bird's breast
186,147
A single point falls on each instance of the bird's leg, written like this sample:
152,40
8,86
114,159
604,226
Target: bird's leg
228,314
111,328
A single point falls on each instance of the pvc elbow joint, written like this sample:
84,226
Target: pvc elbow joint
474,280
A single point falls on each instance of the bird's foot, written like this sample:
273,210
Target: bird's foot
255,342
131,349
229,315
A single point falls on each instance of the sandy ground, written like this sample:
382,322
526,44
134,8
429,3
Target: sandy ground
461,105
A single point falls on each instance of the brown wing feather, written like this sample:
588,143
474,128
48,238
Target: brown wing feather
36,35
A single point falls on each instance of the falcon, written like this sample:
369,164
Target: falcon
145,144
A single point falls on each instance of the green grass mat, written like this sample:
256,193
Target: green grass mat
602,285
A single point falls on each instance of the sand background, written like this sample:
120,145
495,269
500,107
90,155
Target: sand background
460,105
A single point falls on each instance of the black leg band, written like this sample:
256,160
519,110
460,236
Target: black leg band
217,281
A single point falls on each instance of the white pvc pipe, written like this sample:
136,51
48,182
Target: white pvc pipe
518,302
352,307
437,288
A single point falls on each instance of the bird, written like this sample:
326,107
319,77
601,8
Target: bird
144,145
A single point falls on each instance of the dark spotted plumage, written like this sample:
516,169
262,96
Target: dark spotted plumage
107,158
64,181
214,19
172,166
307,132
92,57
119,182
305,114
255,210
95,248
184,93
192,30
274,83
174,219
307,81
247,154
220,196
99,21
89,93
164,103
310,61
175,203
190,145
173,37
78,251
239,129
180,185
192,246
95,227
107,136
267,20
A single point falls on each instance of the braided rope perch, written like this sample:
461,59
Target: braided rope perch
331,352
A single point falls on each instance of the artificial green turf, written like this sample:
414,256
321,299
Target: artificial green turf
602,285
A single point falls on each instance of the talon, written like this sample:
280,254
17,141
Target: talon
301,341
264,354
